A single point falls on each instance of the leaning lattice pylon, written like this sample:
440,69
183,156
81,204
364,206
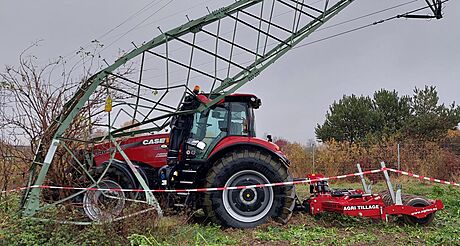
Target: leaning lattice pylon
222,51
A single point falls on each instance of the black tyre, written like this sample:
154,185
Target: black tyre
246,208
102,205
414,201
418,202
122,175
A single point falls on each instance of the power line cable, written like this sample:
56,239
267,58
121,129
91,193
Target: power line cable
133,28
368,15
136,27
146,7
173,14
322,39
364,26
124,34
335,25
321,29
143,9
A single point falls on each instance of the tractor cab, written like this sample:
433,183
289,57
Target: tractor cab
233,116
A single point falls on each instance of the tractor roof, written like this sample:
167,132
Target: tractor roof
252,99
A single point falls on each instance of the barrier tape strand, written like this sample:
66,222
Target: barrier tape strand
421,177
295,182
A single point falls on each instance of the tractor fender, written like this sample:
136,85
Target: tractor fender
227,148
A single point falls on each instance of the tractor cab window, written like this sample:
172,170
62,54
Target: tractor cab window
210,125
239,124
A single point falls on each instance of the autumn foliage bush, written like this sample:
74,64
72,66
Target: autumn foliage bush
335,158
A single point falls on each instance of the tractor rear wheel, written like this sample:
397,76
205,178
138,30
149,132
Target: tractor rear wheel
248,207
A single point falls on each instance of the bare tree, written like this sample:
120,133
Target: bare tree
34,96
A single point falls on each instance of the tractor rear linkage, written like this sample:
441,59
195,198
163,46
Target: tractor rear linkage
363,203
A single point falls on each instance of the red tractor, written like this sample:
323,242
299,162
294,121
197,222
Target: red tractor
214,148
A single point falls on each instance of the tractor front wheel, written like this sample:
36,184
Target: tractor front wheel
248,207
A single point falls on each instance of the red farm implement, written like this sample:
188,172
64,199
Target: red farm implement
363,203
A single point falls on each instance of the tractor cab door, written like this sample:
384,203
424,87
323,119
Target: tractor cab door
216,123
209,127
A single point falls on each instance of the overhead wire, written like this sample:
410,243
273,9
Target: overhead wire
360,27
130,17
157,21
305,44
151,4
143,9
328,27
367,15
138,26
173,14
133,28
363,27
125,33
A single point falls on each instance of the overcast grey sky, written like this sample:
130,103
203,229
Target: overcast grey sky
297,90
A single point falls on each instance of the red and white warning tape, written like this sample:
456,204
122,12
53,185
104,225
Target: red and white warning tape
423,177
301,181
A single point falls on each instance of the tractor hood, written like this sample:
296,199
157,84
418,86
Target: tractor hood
149,149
